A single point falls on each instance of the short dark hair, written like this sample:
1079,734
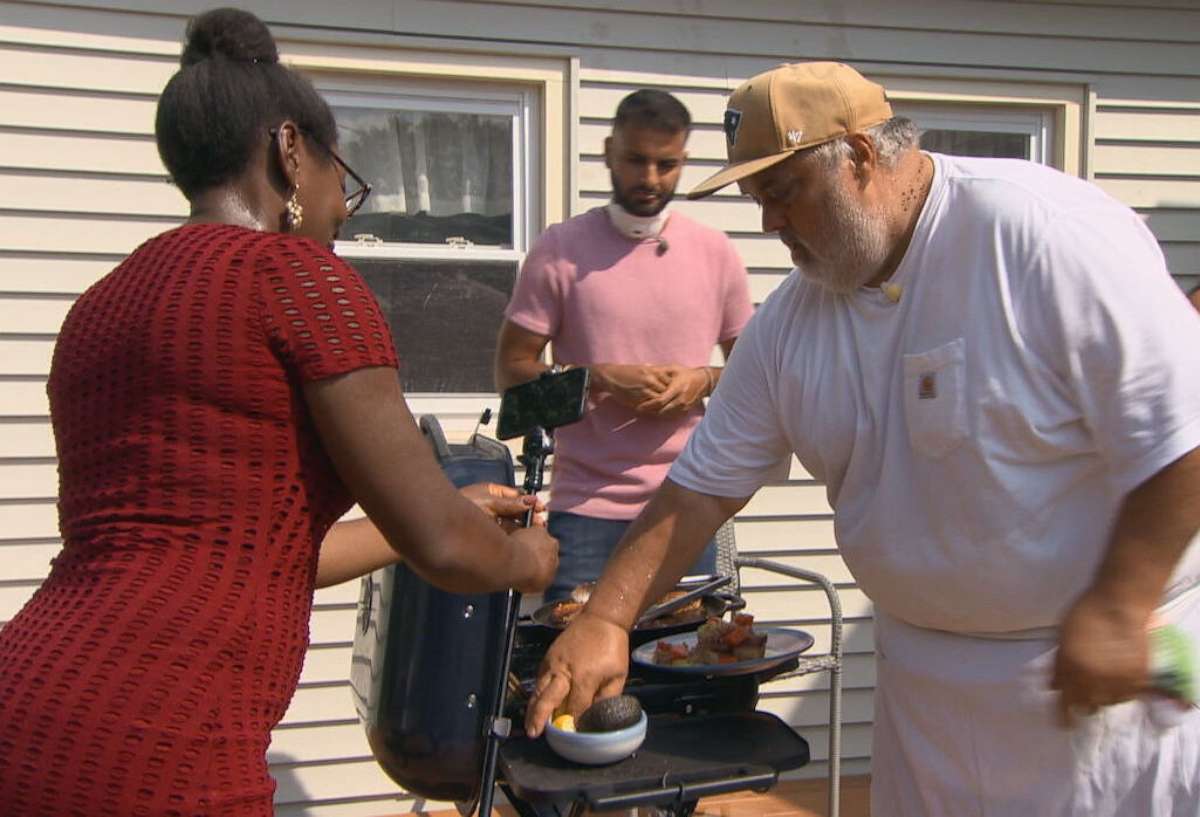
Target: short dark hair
651,108
229,91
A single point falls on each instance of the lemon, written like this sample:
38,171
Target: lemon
565,722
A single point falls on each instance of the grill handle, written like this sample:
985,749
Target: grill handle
681,793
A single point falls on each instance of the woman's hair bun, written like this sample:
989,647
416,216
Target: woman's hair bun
230,33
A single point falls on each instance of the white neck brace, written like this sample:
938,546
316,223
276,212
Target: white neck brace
636,227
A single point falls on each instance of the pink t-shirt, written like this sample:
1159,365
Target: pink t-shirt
604,298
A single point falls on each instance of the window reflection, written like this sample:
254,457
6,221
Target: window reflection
437,176
976,143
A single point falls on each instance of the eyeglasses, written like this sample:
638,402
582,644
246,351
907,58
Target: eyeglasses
356,196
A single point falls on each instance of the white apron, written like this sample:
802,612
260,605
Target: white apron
966,727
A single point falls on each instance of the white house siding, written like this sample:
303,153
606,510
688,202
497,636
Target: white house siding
81,184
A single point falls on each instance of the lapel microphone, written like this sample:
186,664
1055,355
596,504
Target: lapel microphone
640,228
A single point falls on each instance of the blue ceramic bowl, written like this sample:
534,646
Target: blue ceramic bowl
597,748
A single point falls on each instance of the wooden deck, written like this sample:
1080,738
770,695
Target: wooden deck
792,799
801,798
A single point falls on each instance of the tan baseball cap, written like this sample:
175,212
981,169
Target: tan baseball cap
789,108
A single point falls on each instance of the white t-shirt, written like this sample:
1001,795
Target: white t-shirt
976,437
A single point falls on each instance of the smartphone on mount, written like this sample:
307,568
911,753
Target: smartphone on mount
553,399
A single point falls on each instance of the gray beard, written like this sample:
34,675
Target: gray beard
857,251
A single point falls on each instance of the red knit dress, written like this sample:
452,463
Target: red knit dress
145,675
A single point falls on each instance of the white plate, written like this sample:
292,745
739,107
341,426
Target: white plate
783,644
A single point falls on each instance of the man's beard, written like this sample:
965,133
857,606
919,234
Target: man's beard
621,197
856,247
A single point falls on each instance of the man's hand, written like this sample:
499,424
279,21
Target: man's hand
505,504
536,555
630,384
687,387
1103,656
1103,645
589,660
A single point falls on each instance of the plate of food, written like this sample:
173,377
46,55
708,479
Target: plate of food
724,648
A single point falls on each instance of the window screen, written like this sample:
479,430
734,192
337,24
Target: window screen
444,316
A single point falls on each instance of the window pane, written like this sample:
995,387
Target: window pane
977,143
436,176
444,317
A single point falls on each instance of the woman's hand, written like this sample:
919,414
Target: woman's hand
505,504
535,551
535,559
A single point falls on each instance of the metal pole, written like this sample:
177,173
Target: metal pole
835,671
538,444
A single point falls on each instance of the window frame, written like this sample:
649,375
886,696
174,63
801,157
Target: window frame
452,96
465,97
1035,123
1064,108
358,63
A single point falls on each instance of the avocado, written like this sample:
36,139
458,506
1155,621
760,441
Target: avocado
610,714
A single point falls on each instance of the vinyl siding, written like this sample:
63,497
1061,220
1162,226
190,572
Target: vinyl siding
81,185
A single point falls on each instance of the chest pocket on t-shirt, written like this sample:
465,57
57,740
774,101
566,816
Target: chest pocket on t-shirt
935,408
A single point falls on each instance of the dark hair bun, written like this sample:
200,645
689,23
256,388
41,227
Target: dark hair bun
230,33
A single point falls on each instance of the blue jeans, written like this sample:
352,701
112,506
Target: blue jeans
585,544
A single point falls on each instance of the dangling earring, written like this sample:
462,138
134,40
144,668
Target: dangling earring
295,211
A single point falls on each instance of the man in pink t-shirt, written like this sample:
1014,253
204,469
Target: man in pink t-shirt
640,296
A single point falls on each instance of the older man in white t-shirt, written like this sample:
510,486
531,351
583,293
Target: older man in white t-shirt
990,368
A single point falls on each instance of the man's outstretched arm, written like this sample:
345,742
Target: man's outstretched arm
591,657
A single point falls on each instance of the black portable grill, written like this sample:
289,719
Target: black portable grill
440,680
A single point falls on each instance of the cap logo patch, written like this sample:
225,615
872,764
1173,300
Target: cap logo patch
733,121
794,136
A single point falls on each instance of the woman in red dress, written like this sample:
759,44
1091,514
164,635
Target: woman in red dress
219,400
